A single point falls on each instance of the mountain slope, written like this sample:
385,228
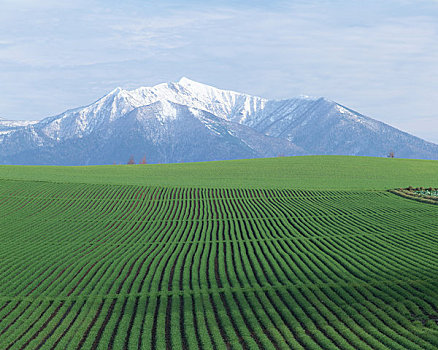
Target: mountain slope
325,127
162,131
189,121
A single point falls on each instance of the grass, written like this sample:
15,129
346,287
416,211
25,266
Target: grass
304,256
310,172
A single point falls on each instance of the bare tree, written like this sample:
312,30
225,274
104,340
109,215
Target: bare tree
131,160
143,160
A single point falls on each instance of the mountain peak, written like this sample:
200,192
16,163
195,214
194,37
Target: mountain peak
115,91
187,81
193,85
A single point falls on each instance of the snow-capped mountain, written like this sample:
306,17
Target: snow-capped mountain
189,121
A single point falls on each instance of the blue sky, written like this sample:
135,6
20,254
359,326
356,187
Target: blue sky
377,57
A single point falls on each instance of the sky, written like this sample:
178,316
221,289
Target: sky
379,58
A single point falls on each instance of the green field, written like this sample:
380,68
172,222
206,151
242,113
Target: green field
284,253
311,172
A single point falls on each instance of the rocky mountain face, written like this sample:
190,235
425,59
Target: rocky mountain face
189,121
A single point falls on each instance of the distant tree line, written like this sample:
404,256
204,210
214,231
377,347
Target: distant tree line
132,161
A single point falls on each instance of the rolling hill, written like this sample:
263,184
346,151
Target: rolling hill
307,172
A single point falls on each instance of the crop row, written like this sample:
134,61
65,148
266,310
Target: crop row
96,266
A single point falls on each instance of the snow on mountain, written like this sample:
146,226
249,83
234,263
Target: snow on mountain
230,105
11,124
164,131
188,121
81,121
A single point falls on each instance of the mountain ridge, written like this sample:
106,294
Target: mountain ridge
235,124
